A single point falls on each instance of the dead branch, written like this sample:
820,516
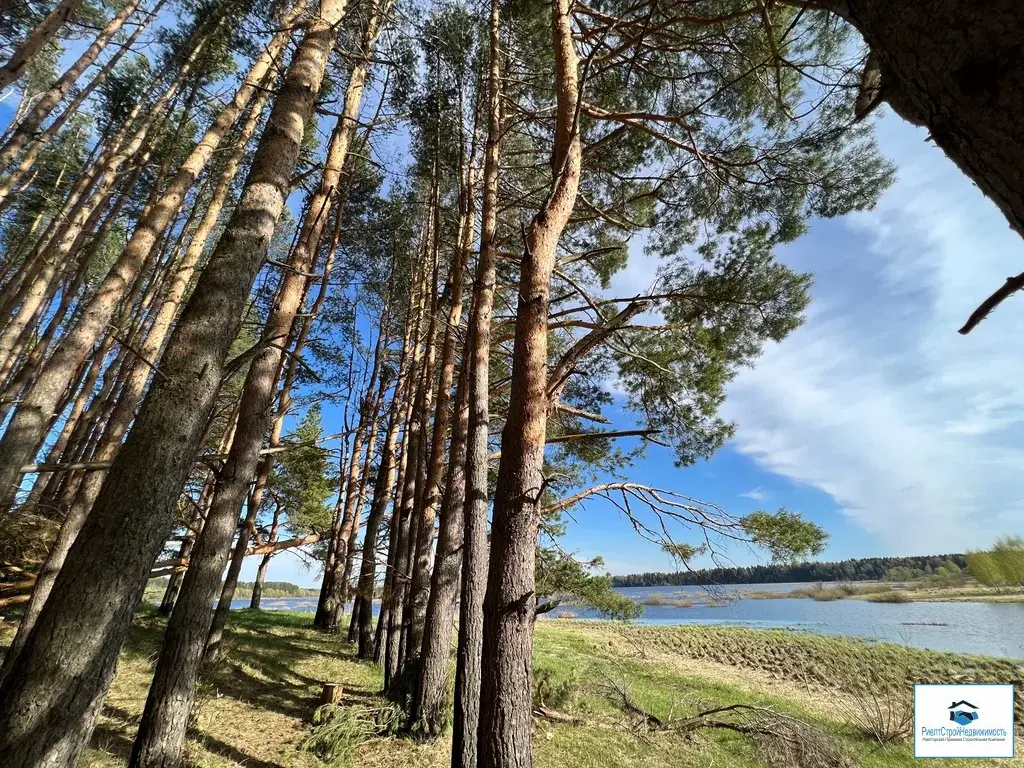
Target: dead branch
557,717
1005,291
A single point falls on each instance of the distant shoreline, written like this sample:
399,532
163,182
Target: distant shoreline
857,569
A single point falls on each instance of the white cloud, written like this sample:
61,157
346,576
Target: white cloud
913,429
757,494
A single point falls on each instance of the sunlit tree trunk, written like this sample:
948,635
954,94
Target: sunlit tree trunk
37,38
49,702
29,123
474,546
506,717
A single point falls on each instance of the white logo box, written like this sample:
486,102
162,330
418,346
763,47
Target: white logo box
963,721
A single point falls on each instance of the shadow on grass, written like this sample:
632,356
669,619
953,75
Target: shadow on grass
219,748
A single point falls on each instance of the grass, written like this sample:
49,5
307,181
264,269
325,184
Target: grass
256,707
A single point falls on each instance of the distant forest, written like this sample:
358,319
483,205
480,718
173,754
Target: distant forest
863,569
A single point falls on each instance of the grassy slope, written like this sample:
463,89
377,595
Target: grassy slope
255,706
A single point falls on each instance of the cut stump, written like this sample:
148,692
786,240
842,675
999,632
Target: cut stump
331,694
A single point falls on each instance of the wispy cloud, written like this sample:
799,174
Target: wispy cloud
757,494
876,400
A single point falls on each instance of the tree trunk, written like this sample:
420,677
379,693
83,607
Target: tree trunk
506,716
383,489
401,516
474,547
364,472
387,589
35,41
162,729
48,704
413,506
431,702
442,412
261,571
40,141
26,429
955,68
28,125
257,586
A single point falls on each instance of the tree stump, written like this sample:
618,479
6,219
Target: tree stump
331,694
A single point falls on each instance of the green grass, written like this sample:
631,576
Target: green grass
256,706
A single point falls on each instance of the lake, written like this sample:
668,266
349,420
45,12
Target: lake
992,629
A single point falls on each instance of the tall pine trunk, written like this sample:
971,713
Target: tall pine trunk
474,547
49,702
506,717
27,428
162,730
431,702
955,68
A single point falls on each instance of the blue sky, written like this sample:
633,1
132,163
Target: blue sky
875,419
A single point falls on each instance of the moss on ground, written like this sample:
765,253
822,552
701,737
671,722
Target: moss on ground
256,705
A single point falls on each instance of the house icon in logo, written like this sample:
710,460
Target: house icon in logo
963,712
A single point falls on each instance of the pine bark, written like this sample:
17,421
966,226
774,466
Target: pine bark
506,714
37,38
383,490
27,428
29,123
475,548
48,704
955,68
162,729
431,700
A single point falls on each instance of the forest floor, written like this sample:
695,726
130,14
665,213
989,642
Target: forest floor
256,706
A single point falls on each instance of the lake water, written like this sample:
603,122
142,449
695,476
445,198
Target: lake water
992,629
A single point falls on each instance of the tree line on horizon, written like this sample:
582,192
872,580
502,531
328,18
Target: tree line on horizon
854,569
334,277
